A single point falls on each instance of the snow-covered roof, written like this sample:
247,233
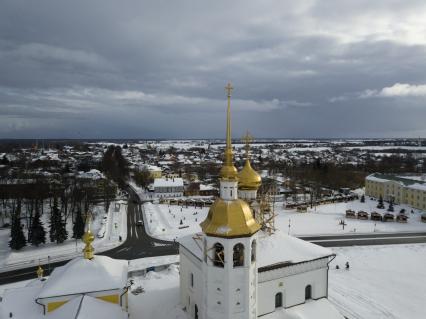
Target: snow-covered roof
92,174
312,309
86,307
375,179
15,301
84,275
206,187
272,249
144,263
153,168
168,182
421,187
279,247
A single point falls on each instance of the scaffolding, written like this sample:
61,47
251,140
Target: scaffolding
266,212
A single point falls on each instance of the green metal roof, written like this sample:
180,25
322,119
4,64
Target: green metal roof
404,180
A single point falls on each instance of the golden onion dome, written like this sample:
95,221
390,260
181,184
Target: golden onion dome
230,219
248,178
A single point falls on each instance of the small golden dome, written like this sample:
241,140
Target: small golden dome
228,172
230,219
88,250
40,272
88,237
248,178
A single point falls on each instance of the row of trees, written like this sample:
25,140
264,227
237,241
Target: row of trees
115,166
36,233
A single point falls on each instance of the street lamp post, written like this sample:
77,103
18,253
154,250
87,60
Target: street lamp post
289,225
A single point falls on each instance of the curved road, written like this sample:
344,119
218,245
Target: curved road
139,244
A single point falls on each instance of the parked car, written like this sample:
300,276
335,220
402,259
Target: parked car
139,222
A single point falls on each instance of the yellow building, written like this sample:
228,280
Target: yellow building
410,190
154,171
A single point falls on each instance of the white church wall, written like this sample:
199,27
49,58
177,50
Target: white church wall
191,282
292,288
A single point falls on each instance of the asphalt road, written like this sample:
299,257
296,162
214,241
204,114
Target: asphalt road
367,239
139,244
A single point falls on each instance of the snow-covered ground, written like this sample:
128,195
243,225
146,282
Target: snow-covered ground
324,219
384,282
114,226
158,286
170,222
163,221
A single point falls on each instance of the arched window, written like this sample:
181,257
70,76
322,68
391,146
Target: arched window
238,256
196,312
219,255
253,251
308,292
278,300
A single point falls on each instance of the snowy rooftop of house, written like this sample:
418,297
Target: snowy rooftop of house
405,180
272,249
82,275
204,187
168,182
92,174
153,168
418,186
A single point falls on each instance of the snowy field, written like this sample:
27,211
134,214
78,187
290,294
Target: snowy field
384,282
112,227
324,219
170,222
163,221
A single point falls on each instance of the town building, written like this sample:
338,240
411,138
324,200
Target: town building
410,190
168,187
232,269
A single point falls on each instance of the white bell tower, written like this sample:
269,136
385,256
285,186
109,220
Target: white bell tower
229,269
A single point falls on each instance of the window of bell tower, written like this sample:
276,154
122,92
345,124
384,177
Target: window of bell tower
219,255
238,256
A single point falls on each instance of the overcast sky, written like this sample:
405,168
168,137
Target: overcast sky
157,69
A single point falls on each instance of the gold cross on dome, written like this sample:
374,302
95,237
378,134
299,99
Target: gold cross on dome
247,140
229,89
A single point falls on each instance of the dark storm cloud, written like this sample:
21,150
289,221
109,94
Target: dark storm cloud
158,68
